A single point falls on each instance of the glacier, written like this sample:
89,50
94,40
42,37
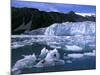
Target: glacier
71,28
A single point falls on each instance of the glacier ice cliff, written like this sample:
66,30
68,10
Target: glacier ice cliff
71,28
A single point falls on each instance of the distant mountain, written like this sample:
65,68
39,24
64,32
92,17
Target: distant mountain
27,19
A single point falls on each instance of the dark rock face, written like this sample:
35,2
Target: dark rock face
27,19
39,31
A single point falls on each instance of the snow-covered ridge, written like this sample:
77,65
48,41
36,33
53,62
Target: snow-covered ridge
86,14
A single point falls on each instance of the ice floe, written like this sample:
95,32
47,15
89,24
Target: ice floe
90,53
73,48
75,55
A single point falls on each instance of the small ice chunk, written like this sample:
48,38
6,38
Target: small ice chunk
57,47
76,55
17,45
68,61
73,48
90,53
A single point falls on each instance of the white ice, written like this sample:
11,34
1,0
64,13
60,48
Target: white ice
43,53
27,62
75,55
93,53
73,48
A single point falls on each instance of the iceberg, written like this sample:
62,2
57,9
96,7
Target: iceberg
51,59
43,53
53,55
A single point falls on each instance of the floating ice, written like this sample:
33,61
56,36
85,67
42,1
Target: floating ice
76,55
27,62
59,62
17,45
90,53
53,55
73,48
43,53
57,47
68,61
52,59
45,63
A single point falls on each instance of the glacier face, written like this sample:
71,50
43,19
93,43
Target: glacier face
69,28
